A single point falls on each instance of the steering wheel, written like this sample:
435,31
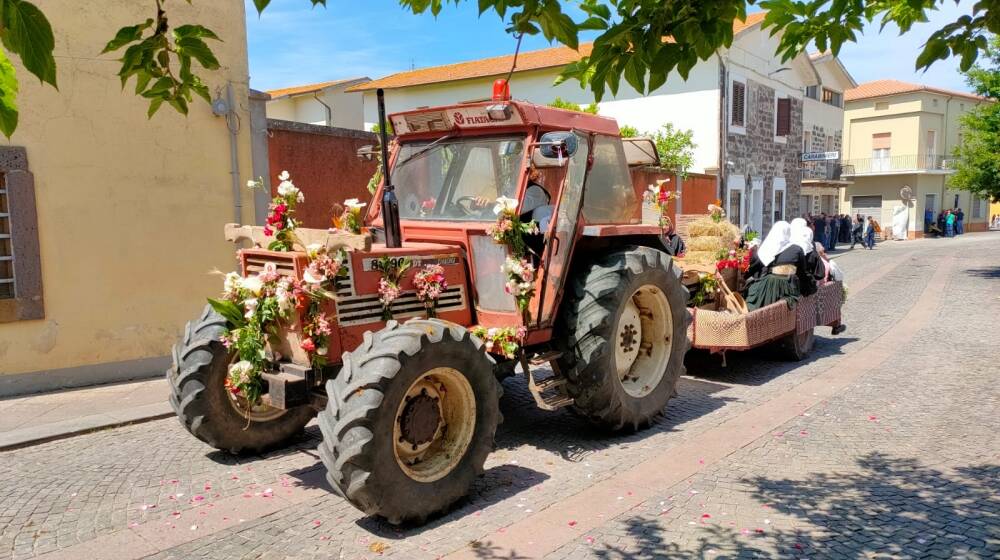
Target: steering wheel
466,205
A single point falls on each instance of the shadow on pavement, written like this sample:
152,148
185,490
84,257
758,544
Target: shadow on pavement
497,484
886,507
760,365
990,272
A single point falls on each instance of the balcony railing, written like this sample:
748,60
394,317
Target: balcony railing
897,164
825,170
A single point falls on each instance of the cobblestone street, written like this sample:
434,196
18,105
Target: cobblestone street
884,443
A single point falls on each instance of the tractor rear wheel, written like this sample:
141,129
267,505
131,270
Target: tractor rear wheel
410,419
206,409
624,324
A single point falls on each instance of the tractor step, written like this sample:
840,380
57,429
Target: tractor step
548,392
546,358
289,387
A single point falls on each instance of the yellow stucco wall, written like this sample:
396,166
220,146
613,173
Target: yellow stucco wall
130,211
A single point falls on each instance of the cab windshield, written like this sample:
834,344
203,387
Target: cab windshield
456,178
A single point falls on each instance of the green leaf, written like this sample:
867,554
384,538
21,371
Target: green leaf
27,32
154,106
8,96
229,310
197,49
260,5
195,31
127,35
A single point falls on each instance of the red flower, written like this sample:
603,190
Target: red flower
308,345
268,231
428,204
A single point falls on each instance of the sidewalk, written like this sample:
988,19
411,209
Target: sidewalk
32,419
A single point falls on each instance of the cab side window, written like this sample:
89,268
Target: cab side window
609,197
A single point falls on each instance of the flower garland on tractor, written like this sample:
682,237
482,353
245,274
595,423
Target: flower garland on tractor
519,271
255,305
430,284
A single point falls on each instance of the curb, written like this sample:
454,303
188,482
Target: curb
26,437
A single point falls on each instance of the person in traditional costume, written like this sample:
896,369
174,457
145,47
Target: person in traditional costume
672,242
778,270
802,236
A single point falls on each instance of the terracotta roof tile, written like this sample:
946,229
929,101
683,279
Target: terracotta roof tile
308,88
500,65
882,88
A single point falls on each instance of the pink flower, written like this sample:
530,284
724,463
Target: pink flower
308,345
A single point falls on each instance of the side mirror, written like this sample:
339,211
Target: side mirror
366,153
558,144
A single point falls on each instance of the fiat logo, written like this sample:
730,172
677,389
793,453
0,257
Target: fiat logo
459,119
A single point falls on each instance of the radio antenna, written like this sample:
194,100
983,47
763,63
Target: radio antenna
517,50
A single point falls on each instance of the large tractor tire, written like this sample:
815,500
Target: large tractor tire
410,420
206,409
624,326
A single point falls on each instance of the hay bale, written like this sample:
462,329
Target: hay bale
706,227
708,243
700,257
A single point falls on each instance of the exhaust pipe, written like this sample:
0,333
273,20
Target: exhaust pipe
390,205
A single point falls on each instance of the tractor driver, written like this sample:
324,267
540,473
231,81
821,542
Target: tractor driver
537,202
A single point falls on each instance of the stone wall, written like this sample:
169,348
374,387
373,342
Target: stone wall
757,154
818,143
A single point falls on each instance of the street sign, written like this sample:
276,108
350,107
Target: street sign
820,156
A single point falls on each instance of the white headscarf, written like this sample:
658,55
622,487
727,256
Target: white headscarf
802,235
777,240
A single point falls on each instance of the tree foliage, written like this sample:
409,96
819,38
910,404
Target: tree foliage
641,41
560,103
978,154
675,146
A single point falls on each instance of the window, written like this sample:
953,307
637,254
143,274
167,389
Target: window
20,262
881,145
812,92
734,199
831,97
739,104
930,201
807,138
978,207
783,118
609,197
881,105
436,181
931,147
778,199
956,202
6,247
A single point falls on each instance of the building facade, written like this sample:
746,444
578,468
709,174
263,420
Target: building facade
112,222
898,141
325,103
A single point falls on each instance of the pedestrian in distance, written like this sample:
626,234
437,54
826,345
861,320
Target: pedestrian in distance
949,224
928,219
870,234
959,222
856,231
834,232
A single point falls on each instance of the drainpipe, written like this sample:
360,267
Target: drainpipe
233,124
944,142
720,189
329,110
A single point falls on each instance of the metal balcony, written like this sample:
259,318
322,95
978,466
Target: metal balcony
923,163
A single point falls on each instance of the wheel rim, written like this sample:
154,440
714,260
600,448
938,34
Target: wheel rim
434,424
643,341
258,413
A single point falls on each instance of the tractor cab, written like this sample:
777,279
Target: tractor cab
567,171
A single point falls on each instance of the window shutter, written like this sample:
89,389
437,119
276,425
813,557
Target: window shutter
784,121
739,103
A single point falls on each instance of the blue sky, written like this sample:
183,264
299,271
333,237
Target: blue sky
293,44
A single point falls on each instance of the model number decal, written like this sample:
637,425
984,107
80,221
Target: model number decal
375,264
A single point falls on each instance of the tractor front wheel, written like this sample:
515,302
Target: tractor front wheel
624,327
410,419
205,408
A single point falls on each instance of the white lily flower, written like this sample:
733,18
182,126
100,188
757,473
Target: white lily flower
354,203
253,284
251,306
283,176
232,282
310,278
505,204
314,249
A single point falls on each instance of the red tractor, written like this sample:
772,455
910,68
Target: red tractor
409,410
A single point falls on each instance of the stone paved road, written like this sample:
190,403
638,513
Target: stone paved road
884,444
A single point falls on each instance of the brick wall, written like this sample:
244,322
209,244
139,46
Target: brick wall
323,163
756,154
